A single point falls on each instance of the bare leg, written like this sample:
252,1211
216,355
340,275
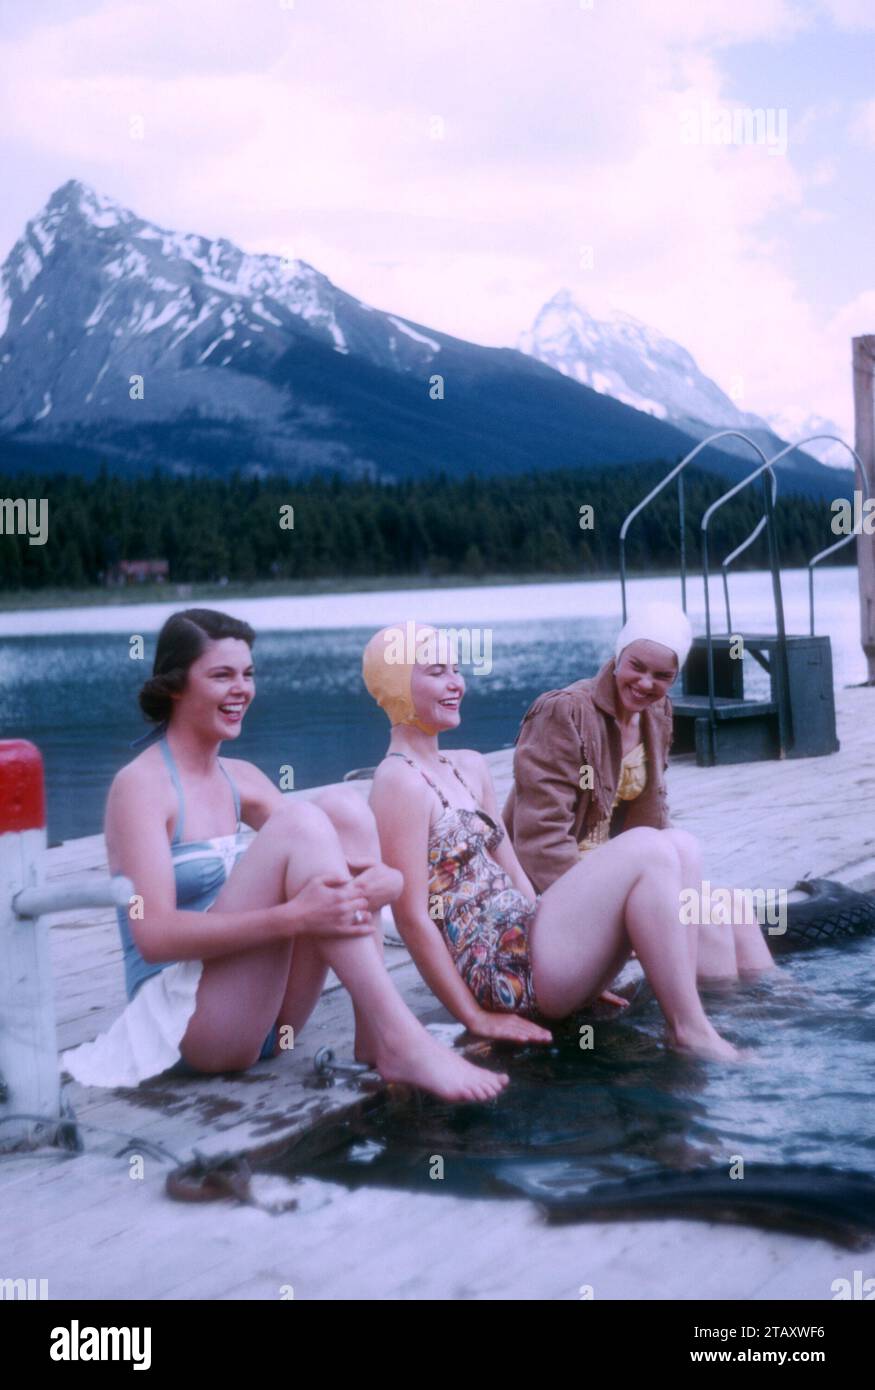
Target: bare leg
751,948
240,996
623,896
354,822
724,951
715,944
305,982
356,828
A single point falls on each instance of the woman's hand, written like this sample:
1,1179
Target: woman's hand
507,1028
329,907
380,885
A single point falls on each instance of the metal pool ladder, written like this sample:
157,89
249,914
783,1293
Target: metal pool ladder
713,717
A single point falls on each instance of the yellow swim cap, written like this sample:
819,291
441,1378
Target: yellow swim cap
387,668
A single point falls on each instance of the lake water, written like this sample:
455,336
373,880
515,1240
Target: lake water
627,1107
67,682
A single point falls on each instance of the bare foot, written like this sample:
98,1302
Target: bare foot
421,1061
705,1042
712,980
756,972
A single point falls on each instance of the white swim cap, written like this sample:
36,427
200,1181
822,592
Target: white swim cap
664,623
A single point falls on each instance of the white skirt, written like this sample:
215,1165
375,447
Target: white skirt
144,1040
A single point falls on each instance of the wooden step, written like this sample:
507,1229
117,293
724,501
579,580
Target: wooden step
698,707
721,641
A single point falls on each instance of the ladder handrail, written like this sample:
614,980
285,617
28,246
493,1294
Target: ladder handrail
654,492
845,540
774,566
739,550
815,560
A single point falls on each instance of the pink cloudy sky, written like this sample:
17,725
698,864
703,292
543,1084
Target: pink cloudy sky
447,160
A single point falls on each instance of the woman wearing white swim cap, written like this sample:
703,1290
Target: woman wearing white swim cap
589,767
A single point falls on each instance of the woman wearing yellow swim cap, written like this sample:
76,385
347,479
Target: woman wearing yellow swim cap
497,957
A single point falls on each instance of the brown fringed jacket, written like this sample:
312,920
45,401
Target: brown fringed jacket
547,813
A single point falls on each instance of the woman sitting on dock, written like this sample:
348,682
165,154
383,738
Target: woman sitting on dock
589,765
495,956
228,943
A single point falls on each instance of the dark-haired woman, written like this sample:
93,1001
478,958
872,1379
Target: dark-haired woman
227,942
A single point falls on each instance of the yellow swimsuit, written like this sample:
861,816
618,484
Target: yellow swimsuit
633,780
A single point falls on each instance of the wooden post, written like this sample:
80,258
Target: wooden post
864,431
29,1077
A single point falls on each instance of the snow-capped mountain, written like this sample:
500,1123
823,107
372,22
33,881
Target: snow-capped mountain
125,344
797,425
109,295
622,357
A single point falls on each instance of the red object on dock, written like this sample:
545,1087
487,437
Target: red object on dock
22,794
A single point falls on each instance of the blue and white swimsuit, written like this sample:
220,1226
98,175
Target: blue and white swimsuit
144,1040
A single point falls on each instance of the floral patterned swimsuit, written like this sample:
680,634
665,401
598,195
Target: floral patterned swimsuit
485,921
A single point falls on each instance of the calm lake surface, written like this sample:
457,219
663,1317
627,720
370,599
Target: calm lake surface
68,684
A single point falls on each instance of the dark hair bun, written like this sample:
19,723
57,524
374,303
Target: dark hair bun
154,698
180,642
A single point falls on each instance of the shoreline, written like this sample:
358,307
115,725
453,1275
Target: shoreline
51,600
352,605
28,600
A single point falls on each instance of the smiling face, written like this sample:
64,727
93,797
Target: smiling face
644,674
219,688
437,693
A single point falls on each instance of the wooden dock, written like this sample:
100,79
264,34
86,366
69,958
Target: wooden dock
97,1225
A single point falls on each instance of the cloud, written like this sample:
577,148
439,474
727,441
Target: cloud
849,14
451,161
862,125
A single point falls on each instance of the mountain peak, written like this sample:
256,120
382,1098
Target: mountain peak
621,356
566,302
78,198
71,191
72,207
563,299
128,294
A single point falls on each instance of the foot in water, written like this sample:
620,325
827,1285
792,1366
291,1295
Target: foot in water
704,1042
417,1059
764,972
